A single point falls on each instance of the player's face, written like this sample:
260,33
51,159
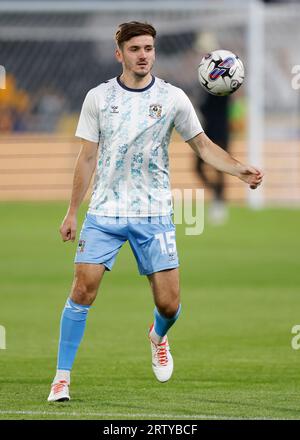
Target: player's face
137,55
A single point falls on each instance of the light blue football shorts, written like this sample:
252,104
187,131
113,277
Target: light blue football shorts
152,240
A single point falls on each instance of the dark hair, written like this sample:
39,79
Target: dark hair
133,29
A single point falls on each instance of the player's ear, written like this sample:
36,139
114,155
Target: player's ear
118,55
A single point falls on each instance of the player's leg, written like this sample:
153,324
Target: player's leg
99,244
166,295
165,289
154,246
85,286
219,187
218,213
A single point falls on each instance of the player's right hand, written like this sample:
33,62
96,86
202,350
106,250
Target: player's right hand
68,228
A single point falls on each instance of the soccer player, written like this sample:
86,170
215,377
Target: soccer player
215,112
125,126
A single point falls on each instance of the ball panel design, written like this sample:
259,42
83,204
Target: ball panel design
221,72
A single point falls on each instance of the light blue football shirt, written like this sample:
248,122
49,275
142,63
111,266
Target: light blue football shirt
133,128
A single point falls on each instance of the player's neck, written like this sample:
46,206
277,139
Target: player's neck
135,82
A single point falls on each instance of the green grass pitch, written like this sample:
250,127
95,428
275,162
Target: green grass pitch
231,346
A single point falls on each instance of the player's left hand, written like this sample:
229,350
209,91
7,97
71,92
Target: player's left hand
251,175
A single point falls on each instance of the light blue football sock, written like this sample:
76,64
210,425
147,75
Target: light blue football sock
162,324
72,327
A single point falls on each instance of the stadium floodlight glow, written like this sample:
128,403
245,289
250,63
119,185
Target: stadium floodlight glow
2,77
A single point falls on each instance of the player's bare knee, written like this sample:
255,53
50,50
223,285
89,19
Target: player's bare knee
168,310
83,293
83,298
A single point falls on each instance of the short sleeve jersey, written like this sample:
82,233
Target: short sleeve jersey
133,128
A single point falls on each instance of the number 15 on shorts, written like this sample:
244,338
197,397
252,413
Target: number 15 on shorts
167,242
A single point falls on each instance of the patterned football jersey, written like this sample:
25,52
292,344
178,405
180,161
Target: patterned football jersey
133,128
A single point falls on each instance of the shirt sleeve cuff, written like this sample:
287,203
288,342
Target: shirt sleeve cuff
86,137
186,139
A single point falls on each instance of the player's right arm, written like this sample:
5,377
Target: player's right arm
84,168
88,129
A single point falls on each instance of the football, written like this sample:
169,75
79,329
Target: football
221,72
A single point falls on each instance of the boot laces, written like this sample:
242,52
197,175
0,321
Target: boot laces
162,353
59,386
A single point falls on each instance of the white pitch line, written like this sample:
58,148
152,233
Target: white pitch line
159,416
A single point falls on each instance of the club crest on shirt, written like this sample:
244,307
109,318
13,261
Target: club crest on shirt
81,245
172,257
155,111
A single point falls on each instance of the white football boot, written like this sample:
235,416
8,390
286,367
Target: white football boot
162,361
59,392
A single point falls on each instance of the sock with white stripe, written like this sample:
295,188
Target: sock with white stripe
72,328
162,325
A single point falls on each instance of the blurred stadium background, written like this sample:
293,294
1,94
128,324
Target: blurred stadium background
240,282
53,52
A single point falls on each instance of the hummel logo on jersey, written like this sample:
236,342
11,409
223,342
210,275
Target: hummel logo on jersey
155,111
114,109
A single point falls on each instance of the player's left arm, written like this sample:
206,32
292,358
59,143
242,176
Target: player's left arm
215,156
